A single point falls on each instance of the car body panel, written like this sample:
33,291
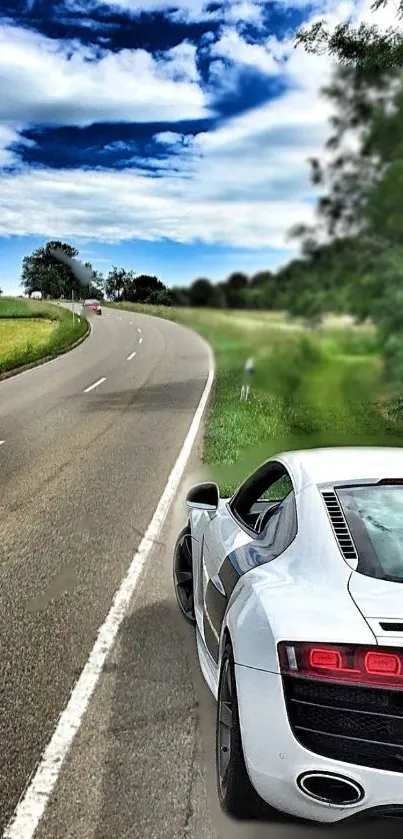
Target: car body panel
379,601
272,601
222,537
274,758
344,463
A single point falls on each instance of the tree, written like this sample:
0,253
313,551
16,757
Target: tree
122,285
351,165
234,289
217,298
341,249
382,209
95,289
200,292
364,46
115,283
160,297
146,289
43,272
265,291
360,266
180,296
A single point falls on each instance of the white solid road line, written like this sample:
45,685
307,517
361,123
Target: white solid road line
32,805
91,387
129,357
140,340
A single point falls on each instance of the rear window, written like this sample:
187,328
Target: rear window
374,515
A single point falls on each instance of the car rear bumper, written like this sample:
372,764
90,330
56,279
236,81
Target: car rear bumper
275,759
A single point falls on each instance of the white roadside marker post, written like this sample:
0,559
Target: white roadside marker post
249,370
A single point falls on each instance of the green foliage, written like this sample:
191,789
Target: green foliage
201,292
125,286
41,271
364,46
359,273
180,296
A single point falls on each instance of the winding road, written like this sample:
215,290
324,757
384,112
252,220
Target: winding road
87,445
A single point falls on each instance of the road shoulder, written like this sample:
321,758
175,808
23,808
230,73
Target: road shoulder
134,767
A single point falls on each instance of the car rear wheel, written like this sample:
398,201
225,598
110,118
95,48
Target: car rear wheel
237,797
183,574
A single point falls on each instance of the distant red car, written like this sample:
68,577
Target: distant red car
93,306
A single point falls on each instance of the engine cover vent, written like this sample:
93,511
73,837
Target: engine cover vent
339,525
391,627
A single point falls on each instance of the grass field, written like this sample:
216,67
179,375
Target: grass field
309,389
31,330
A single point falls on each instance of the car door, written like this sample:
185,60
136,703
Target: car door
222,535
229,530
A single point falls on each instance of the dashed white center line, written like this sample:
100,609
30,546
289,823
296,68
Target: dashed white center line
129,357
118,317
91,387
131,322
138,329
140,340
2,442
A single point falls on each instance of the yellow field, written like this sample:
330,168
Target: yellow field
18,335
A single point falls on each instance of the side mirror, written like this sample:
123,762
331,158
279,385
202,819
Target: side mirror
203,497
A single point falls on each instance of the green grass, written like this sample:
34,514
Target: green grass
11,307
310,388
31,331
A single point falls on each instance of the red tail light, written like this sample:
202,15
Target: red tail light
383,664
325,659
342,663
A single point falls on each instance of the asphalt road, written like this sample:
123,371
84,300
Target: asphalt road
81,475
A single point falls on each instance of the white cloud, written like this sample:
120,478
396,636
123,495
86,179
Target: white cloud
179,63
231,45
243,185
8,138
119,145
114,206
168,138
49,83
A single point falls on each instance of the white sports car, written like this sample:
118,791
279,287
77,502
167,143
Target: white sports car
295,587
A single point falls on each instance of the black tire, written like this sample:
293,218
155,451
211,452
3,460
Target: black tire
237,797
183,574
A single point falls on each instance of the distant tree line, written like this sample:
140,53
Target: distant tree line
41,271
306,286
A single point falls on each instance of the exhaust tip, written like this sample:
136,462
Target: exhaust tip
328,788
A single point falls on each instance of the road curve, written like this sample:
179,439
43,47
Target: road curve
87,444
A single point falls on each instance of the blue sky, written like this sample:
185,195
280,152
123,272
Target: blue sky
169,138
